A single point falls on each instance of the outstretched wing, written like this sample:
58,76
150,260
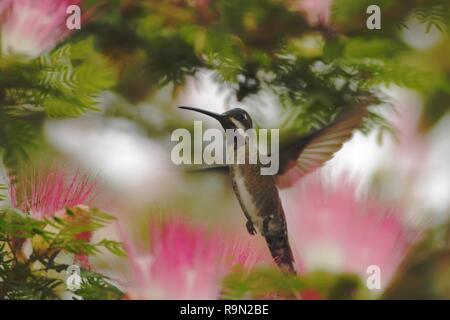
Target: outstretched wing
310,152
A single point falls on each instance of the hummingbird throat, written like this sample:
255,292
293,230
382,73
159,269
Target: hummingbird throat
232,147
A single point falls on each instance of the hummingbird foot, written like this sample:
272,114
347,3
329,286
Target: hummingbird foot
250,227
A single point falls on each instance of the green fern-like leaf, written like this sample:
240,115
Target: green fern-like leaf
435,14
74,76
98,287
3,190
17,137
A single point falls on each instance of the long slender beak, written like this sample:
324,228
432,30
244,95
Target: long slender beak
216,116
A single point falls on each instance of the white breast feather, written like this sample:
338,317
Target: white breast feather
247,200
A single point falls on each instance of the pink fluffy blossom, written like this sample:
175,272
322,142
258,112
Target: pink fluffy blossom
333,230
31,27
318,12
184,262
44,192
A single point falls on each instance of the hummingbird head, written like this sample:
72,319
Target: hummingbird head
236,118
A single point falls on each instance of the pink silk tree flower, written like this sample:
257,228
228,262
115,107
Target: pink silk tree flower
32,28
47,192
44,192
318,12
333,230
184,262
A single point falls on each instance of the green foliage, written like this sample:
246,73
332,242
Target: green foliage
3,191
77,75
98,287
60,233
435,14
269,283
16,282
424,273
39,274
17,137
377,48
66,83
260,284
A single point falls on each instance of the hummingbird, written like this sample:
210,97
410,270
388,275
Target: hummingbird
258,194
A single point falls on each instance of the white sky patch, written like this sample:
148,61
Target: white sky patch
323,256
359,158
433,188
417,37
117,151
202,92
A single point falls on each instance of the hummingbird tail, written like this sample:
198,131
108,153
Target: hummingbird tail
281,252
